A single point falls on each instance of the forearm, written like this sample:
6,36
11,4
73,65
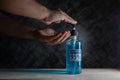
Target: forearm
14,28
28,8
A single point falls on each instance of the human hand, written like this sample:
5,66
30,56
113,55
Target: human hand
56,16
50,36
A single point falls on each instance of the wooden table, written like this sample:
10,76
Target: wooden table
59,74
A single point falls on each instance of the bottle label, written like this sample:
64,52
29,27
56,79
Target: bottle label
75,55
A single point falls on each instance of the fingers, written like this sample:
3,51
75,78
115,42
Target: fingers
51,39
56,16
68,19
61,38
57,38
65,37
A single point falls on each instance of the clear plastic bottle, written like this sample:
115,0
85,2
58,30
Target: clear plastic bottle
73,54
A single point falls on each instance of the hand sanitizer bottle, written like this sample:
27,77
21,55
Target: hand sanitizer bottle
73,54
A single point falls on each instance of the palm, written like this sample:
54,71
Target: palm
50,36
47,32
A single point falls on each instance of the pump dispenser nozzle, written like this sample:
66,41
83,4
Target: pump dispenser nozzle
73,31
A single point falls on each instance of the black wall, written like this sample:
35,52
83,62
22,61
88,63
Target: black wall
99,30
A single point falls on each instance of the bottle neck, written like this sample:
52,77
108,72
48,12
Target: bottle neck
74,37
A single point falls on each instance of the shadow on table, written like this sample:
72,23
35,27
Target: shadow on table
35,71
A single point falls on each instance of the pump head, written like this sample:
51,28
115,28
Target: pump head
73,31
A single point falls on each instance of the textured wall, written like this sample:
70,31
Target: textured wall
99,30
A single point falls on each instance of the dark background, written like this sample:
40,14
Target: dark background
99,30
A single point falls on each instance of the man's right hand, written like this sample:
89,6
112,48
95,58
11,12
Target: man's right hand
56,16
